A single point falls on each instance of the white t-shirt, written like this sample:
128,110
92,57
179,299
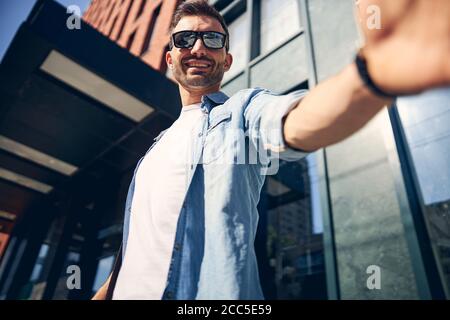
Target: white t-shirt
160,188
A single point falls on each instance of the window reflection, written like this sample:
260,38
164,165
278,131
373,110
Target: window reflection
279,22
238,30
103,270
37,270
294,228
425,119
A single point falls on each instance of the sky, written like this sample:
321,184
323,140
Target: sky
14,12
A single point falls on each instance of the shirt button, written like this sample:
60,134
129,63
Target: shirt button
169,295
200,134
177,246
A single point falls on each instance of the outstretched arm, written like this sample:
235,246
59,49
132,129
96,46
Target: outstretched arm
409,54
332,111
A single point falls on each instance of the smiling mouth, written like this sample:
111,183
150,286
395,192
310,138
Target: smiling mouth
198,64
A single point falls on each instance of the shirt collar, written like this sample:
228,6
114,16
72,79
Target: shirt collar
214,99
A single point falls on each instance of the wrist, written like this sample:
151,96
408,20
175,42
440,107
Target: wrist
363,73
363,95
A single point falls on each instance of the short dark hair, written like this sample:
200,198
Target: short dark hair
198,8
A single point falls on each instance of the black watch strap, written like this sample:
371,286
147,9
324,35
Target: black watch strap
361,65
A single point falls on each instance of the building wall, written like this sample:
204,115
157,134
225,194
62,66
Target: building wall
141,26
365,205
3,242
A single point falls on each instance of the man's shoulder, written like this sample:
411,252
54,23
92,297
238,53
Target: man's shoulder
244,96
257,91
250,92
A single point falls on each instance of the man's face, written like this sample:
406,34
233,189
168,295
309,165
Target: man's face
198,67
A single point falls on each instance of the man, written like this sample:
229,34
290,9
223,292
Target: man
191,217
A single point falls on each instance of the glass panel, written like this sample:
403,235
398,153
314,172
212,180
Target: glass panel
104,268
37,270
278,71
34,288
238,30
278,22
72,258
425,119
235,85
294,241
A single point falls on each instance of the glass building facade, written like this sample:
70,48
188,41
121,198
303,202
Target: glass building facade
381,198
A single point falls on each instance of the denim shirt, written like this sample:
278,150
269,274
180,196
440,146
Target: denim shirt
241,142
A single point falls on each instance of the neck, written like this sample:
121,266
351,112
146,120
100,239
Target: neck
192,96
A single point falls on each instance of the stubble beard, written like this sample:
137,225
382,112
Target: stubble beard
199,80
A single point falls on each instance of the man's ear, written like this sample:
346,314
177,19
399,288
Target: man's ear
169,60
228,61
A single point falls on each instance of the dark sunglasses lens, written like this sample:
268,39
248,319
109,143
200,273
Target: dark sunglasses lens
184,39
214,40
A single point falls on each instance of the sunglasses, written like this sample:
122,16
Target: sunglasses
187,39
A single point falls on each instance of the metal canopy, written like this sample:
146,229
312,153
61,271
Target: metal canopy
74,105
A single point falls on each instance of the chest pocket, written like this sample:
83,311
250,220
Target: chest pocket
218,137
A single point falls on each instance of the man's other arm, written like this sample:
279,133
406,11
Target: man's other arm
101,293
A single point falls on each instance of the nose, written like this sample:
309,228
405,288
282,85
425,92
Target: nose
199,48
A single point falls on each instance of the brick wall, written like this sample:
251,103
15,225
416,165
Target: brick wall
141,26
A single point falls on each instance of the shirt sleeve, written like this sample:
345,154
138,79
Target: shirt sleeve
264,121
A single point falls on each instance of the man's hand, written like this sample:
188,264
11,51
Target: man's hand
411,50
101,293
408,54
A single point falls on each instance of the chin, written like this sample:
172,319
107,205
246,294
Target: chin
199,74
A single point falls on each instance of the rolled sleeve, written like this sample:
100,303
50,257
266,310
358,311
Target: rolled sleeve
264,120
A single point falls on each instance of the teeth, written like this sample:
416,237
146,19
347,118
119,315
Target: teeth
196,64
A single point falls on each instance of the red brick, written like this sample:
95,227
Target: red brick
120,20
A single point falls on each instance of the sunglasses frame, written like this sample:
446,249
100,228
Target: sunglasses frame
198,34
